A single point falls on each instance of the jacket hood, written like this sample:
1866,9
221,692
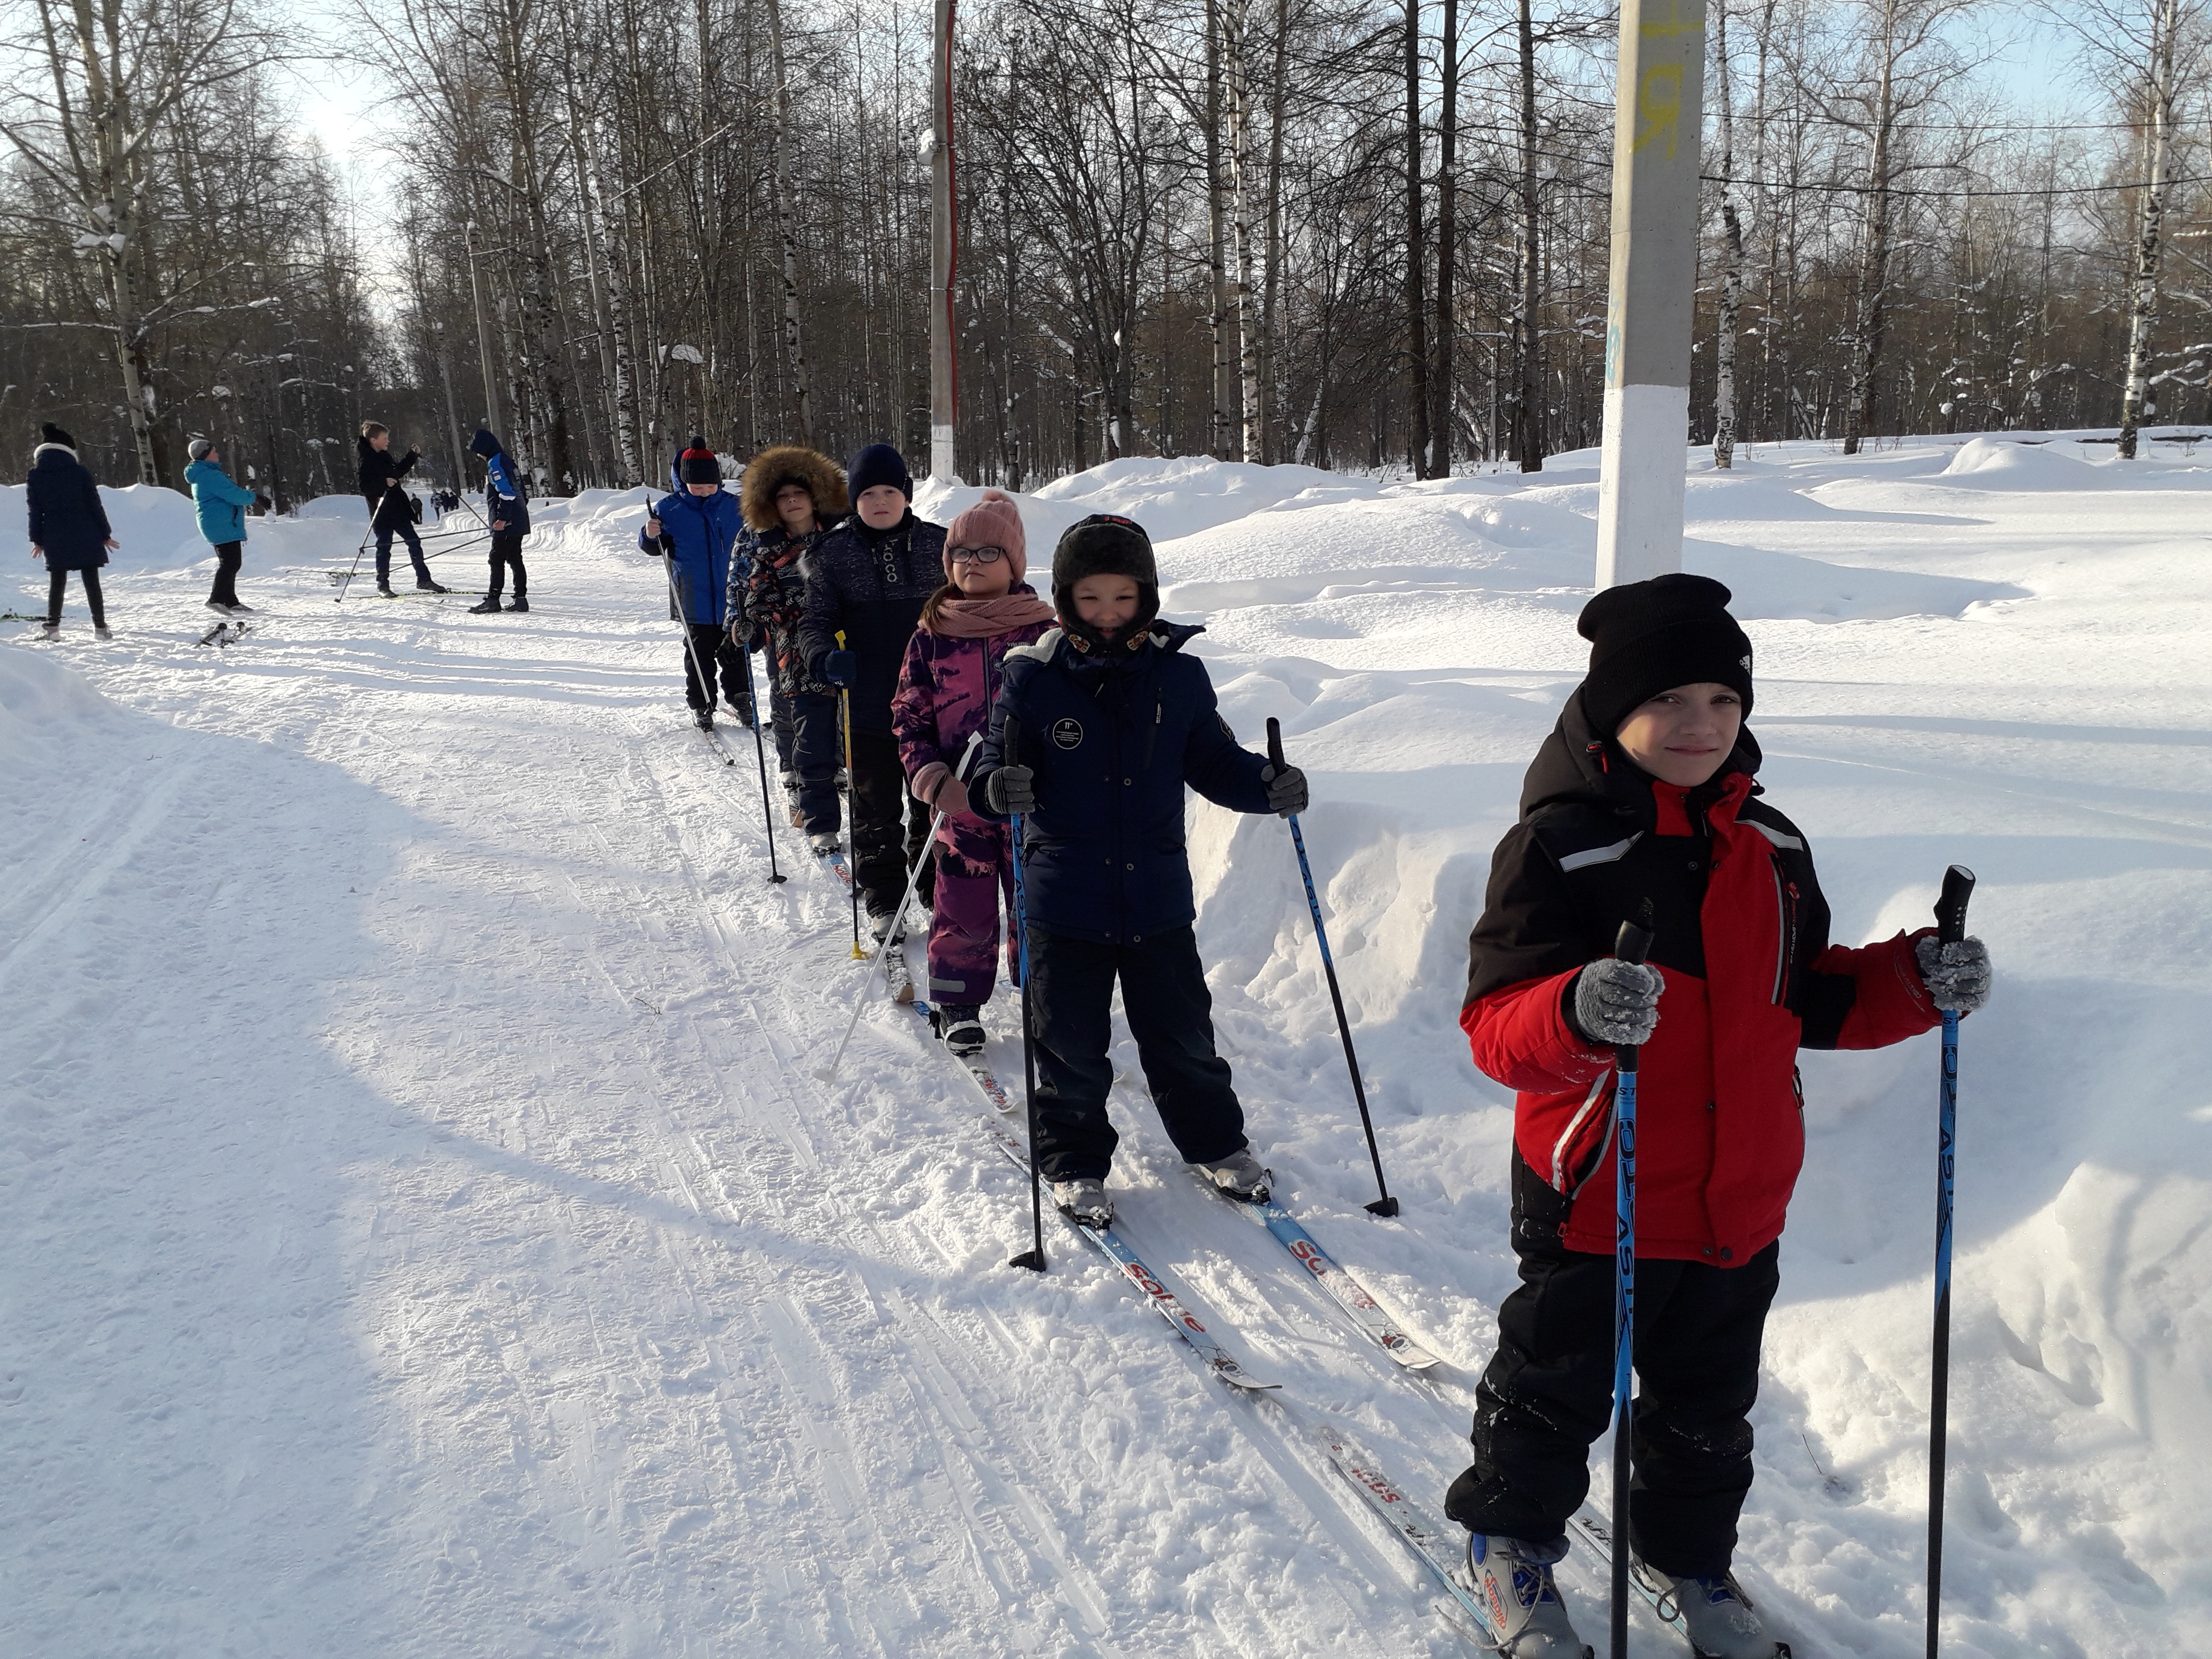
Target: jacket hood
772,469
1575,766
205,468
51,454
485,444
366,447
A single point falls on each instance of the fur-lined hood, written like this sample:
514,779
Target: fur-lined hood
58,449
773,468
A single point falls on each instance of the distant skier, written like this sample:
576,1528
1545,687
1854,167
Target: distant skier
791,498
221,506
507,507
1645,792
1116,720
699,525
868,579
951,680
390,511
69,527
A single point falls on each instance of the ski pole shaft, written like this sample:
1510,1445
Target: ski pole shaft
1950,928
363,547
1385,1205
1633,944
760,753
852,807
1032,1258
828,1073
684,620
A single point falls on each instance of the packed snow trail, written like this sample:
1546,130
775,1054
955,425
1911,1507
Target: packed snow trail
423,1232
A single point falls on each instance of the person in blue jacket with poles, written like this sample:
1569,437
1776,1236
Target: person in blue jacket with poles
697,525
1116,722
221,508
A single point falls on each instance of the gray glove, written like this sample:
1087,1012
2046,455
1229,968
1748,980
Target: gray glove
1286,789
1616,1002
1957,975
1011,790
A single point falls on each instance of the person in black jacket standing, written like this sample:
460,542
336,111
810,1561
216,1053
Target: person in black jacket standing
868,579
389,509
69,527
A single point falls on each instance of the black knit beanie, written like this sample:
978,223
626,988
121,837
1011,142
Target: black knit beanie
1647,636
1105,545
50,433
698,464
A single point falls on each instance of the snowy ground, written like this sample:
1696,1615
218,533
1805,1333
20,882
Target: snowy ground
423,1232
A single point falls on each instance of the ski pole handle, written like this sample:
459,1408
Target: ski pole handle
1631,944
1274,743
1951,907
1010,743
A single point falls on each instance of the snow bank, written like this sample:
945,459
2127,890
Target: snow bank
2017,464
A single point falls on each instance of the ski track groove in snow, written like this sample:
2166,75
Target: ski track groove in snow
426,1233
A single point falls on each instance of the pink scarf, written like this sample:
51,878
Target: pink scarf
979,619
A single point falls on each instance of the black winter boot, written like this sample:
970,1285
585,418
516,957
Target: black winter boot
486,606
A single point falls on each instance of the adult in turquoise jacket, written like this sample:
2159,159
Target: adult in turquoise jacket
221,507
696,526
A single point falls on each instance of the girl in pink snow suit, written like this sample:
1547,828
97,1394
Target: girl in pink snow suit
947,688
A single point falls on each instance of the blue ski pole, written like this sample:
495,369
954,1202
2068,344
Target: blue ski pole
1950,928
1386,1205
1032,1258
1633,944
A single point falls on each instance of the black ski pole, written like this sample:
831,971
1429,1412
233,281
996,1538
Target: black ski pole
760,749
1032,1258
363,547
1386,1205
1950,928
1632,944
852,811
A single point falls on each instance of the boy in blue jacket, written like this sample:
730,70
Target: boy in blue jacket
697,525
507,508
1115,720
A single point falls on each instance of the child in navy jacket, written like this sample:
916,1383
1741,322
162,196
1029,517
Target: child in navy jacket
1114,721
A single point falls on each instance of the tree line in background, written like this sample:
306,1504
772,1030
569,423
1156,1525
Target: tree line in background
1347,233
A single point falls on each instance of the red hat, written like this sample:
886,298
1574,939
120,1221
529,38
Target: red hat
993,521
698,464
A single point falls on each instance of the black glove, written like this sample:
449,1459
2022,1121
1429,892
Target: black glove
1286,789
1957,975
1011,790
1616,1002
840,668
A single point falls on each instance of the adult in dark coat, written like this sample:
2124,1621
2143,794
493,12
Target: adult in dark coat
69,527
390,511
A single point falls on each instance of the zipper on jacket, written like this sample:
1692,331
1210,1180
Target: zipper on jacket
1785,924
1152,737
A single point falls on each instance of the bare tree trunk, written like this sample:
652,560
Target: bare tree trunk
787,220
1732,264
1245,198
1529,401
2159,96
1417,310
1222,421
1270,304
1447,244
1870,315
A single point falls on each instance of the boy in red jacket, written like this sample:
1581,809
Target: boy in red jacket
1644,791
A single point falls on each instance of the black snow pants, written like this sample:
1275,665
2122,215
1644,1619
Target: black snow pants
1071,1002
1547,1396
58,585
818,750
713,653
890,828
507,555
229,559
406,531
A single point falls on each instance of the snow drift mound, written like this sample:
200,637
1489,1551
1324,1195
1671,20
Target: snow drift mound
44,707
2008,464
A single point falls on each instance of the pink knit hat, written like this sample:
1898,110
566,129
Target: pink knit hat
993,521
